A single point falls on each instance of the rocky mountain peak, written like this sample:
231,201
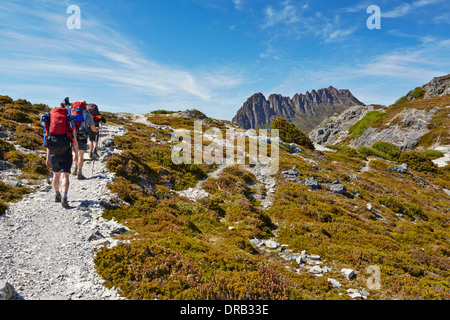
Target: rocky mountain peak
304,110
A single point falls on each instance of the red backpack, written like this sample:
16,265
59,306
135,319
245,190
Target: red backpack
79,110
57,130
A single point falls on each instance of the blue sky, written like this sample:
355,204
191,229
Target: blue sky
139,56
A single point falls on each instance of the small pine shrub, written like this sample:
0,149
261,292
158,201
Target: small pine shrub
368,151
125,189
16,115
289,133
390,149
5,147
417,161
409,209
418,93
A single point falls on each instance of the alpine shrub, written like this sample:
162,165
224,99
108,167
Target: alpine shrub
289,133
390,149
418,161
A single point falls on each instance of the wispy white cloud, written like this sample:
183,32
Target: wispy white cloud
340,34
99,54
381,79
406,8
238,4
287,14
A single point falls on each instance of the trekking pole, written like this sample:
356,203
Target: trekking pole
95,147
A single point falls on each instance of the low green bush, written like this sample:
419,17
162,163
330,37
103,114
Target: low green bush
368,120
417,161
368,151
392,150
409,209
289,133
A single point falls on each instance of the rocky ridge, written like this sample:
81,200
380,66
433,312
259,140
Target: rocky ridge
405,127
304,110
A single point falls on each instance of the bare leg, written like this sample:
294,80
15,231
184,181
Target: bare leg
80,159
65,182
56,177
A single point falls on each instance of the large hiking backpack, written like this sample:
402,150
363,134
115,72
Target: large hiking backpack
96,115
79,110
57,134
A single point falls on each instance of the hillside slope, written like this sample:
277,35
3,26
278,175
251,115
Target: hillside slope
317,229
419,120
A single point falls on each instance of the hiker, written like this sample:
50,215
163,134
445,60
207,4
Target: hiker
59,139
94,136
83,120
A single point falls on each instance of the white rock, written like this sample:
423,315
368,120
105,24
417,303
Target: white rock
315,269
348,273
257,242
335,283
326,269
299,259
271,244
355,294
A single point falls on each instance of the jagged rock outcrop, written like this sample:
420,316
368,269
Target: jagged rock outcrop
334,129
303,110
404,130
438,87
404,126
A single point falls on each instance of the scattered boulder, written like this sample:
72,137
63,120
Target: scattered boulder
348,273
257,242
403,168
292,174
315,270
355,293
335,283
5,165
337,187
295,149
7,291
96,235
271,244
312,183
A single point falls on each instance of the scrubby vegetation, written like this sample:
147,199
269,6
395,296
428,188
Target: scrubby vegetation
418,161
20,120
368,120
390,149
180,249
290,134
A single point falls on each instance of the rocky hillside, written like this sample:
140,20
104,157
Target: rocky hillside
303,110
334,224
419,120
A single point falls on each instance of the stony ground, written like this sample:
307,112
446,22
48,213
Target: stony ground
47,251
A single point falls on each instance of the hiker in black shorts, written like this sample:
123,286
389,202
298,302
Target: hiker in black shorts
83,146
61,163
94,136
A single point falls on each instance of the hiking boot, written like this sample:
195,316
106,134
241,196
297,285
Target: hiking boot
58,198
80,176
65,203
